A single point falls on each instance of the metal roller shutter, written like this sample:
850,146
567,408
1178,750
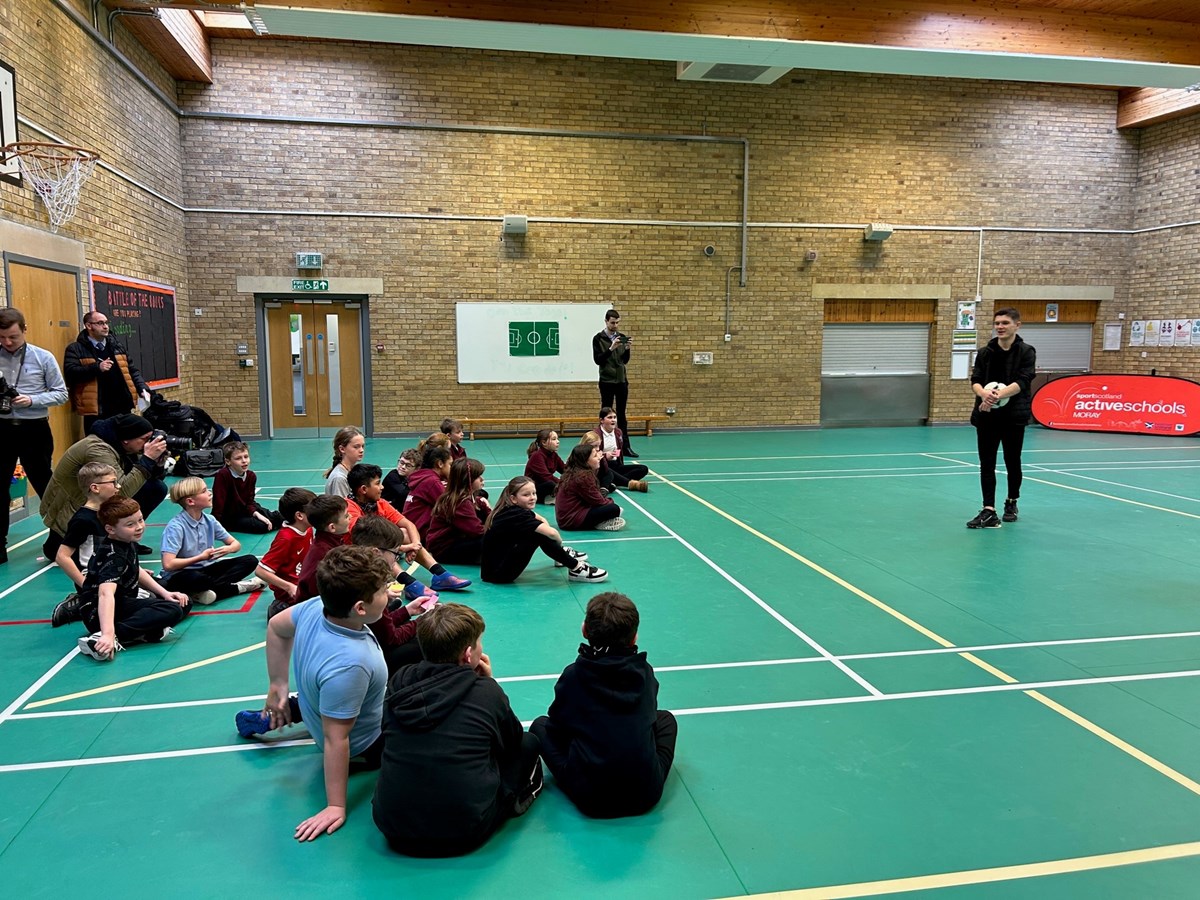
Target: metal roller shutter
876,349
1061,347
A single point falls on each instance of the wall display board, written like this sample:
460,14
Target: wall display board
1128,404
141,316
503,343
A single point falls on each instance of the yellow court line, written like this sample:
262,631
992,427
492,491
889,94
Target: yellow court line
1067,487
1125,747
988,876
132,681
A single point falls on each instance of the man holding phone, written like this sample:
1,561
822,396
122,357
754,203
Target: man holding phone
610,351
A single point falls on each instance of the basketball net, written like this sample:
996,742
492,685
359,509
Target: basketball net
57,172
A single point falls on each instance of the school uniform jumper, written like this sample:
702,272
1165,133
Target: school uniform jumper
580,506
234,504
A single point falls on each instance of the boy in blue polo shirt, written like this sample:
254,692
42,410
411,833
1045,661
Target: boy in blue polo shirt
193,561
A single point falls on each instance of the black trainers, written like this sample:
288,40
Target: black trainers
987,518
66,611
1010,511
143,550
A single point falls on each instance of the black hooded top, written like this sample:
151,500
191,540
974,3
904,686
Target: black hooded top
448,734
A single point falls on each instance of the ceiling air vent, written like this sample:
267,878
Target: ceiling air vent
730,72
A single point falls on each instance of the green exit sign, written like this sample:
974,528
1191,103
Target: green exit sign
310,284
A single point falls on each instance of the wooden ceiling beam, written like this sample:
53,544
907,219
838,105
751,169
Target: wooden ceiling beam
1139,107
971,25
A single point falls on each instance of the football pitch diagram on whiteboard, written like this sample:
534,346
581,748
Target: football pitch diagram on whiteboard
527,342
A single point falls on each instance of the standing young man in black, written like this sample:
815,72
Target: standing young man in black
610,350
1010,362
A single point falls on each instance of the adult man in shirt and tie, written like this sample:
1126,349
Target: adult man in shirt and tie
34,384
101,379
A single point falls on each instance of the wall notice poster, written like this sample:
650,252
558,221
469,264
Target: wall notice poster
1183,332
141,317
1152,332
1196,332
1137,333
1129,404
966,314
1051,312
1166,333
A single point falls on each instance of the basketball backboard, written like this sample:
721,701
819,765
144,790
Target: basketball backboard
9,168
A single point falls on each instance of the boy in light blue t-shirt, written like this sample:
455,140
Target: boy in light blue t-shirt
340,674
193,561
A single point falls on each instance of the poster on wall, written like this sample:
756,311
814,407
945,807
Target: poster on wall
9,170
966,315
1183,332
1151,338
1051,312
1137,333
141,316
1166,333
505,343
1196,332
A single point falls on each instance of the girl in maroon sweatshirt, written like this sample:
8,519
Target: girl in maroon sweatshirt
579,505
544,464
456,528
425,485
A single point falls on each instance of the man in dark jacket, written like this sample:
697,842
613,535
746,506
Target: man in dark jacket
101,379
610,352
607,744
1001,412
456,762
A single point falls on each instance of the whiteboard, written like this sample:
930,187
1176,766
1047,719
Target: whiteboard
504,343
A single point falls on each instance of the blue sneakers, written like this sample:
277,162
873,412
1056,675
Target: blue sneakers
449,582
253,721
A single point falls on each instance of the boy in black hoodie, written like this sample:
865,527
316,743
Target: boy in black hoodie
456,762
605,741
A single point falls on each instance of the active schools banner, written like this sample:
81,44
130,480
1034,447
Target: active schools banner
1131,404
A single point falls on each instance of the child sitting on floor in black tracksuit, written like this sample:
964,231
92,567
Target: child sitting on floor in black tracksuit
456,762
605,741
109,603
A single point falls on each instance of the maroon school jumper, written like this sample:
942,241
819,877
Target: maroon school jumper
424,488
575,497
544,465
465,525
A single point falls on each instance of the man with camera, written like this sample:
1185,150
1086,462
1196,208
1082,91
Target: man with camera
610,351
101,378
126,442
30,383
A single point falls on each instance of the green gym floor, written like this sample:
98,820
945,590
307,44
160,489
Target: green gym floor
872,698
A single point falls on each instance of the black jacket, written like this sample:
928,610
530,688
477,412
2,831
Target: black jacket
599,740
1019,364
448,734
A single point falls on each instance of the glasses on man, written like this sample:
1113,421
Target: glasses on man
98,322
114,481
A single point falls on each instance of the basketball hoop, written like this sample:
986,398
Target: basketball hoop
57,172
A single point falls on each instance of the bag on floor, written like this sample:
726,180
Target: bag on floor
201,463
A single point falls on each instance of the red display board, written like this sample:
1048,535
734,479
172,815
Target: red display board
1129,404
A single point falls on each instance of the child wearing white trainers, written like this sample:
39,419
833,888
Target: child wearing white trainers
192,561
514,531
579,505
109,602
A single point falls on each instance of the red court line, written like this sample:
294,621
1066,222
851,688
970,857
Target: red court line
251,599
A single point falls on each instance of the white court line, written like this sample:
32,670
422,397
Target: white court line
1067,487
691,711
692,667
141,757
957,462
36,686
1119,484
649,537
862,682
955,473
758,472
32,537
27,579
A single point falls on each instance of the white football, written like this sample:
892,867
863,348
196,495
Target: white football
995,386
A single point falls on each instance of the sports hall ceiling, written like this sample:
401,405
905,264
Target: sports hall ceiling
1112,43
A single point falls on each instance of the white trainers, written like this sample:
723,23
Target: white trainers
251,584
611,524
584,572
204,598
577,555
87,646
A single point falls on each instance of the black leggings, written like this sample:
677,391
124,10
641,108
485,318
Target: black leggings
598,514
545,489
465,551
248,524
511,566
990,437
138,619
629,471
220,577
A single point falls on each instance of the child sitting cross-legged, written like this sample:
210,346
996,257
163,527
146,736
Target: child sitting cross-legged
280,567
331,528
426,484
395,482
234,489
456,529
456,762
196,550
98,481
579,504
110,604
605,740
340,675
544,464
365,499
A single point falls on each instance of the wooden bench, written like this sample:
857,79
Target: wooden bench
561,424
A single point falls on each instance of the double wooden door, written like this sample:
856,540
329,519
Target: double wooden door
314,366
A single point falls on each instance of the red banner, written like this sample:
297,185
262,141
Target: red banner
1131,404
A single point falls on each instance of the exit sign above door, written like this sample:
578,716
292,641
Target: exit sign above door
310,284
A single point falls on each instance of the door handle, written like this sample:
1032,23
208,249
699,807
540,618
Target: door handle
320,353
308,342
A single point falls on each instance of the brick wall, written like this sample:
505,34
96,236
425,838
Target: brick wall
828,148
